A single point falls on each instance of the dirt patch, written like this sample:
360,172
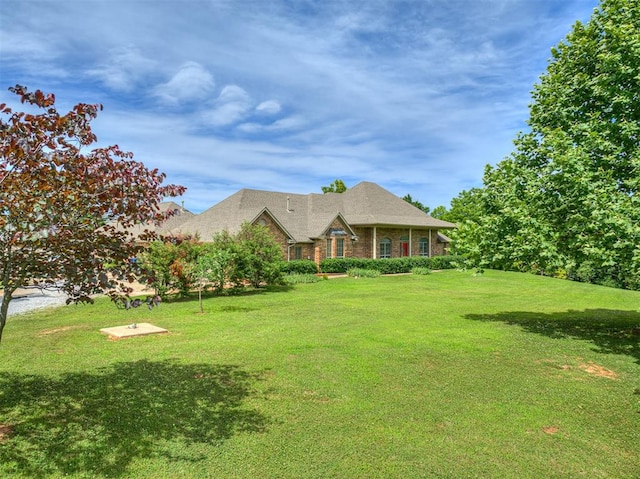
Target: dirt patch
596,370
47,332
550,429
590,367
5,432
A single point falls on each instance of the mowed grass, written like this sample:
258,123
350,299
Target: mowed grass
449,375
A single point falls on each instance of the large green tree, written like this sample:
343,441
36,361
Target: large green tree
64,209
467,206
416,203
337,186
567,197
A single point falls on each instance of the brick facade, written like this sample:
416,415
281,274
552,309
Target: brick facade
364,246
360,248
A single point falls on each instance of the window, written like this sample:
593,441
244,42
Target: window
298,252
339,247
424,247
385,248
329,247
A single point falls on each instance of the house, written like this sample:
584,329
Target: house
179,216
365,221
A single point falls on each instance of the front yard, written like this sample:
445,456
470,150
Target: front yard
449,375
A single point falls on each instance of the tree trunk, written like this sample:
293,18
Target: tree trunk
7,288
4,309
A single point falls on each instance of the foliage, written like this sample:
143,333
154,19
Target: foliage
259,255
300,278
416,203
64,211
464,206
179,265
363,273
214,267
567,197
154,264
467,206
229,263
341,265
439,212
300,266
389,265
420,270
168,265
448,261
336,186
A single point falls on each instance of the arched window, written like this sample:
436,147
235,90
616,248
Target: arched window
385,248
423,248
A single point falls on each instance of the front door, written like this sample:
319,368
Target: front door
405,248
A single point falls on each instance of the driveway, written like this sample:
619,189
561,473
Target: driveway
28,300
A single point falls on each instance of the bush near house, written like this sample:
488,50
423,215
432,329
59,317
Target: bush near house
363,273
388,265
297,278
421,270
299,266
180,265
166,265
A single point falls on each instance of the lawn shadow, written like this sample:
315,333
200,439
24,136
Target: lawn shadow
232,292
98,422
612,331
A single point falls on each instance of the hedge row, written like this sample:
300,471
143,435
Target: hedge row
299,266
388,265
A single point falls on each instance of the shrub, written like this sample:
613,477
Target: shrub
421,270
586,272
299,266
338,265
165,265
258,255
363,273
389,265
297,278
446,262
215,266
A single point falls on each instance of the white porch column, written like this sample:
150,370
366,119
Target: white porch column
429,243
410,242
375,242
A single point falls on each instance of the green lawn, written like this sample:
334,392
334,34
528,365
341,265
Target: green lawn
449,375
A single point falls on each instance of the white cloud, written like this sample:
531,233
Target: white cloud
269,107
124,69
417,96
232,106
192,82
287,124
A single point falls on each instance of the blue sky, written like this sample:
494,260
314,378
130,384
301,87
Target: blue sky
288,95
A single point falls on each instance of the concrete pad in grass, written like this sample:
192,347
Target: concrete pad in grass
139,329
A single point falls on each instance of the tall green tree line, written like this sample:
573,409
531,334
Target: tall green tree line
565,201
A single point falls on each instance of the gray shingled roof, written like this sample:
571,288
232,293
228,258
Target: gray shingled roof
305,217
180,216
